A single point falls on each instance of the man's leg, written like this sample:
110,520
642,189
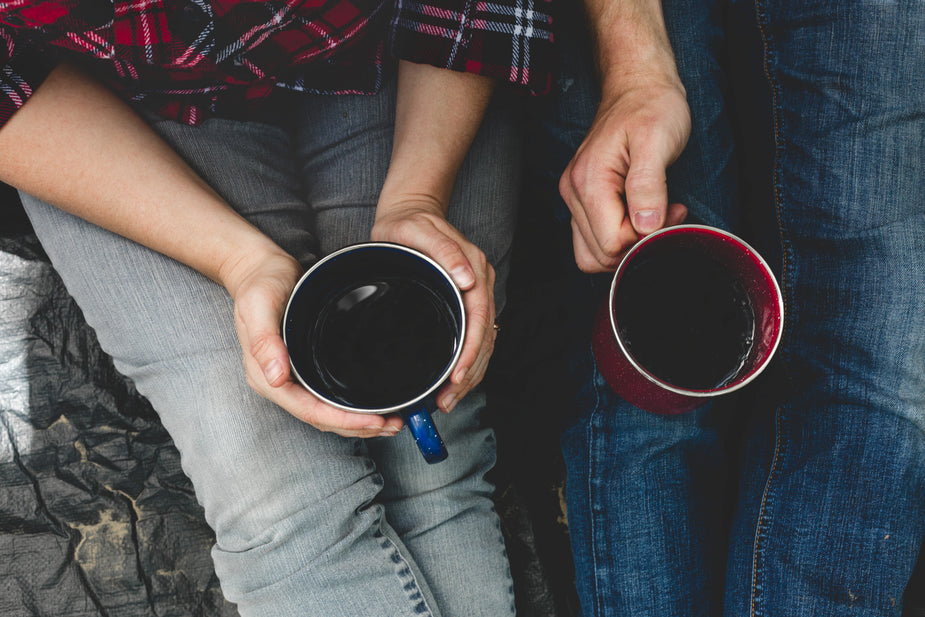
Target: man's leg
647,494
831,515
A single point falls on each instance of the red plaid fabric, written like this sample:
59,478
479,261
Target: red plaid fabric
190,59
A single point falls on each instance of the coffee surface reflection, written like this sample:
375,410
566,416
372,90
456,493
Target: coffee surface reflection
381,342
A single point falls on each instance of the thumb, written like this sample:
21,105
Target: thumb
258,328
647,191
272,357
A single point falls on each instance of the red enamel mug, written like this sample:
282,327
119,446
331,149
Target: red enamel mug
693,313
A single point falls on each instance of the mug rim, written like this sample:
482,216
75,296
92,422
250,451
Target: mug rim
437,382
731,387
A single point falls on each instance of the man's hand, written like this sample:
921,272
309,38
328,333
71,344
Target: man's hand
615,186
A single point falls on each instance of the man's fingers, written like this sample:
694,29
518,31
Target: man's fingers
600,226
677,214
586,259
593,197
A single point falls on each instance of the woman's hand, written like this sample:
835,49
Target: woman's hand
260,286
420,224
437,115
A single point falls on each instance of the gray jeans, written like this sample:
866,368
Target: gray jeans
306,523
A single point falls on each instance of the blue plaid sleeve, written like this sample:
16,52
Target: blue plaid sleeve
510,40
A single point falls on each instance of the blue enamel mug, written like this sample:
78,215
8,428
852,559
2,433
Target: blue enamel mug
377,328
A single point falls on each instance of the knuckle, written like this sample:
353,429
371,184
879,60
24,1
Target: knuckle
645,179
403,229
479,261
576,173
565,182
445,247
261,345
480,315
610,247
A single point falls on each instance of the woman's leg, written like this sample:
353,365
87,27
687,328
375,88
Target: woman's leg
442,513
297,528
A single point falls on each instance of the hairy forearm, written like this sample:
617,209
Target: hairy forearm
77,146
631,44
437,116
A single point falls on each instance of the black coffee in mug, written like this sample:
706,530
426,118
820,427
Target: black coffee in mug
377,328
685,318
379,342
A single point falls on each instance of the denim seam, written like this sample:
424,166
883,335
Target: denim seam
765,514
411,586
592,474
765,510
511,597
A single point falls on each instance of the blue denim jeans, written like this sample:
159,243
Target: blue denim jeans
306,523
805,494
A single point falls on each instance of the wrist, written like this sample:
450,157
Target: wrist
631,44
408,191
640,87
251,256
656,71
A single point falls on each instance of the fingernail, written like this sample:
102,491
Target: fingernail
390,431
272,371
463,276
460,375
449,403
646,221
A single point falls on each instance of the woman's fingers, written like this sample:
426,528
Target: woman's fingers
260,301
431,234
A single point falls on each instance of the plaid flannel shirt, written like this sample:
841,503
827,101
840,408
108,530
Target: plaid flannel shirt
190,59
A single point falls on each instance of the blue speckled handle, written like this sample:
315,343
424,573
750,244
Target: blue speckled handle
425,433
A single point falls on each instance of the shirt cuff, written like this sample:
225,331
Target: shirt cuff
20,74
510,40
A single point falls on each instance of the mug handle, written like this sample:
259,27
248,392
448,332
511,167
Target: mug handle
425,433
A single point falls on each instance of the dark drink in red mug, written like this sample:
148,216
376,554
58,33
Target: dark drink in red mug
693,312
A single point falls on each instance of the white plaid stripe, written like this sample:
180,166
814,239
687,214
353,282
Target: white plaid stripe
93,43
204,43
496,38
12,84
523,23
